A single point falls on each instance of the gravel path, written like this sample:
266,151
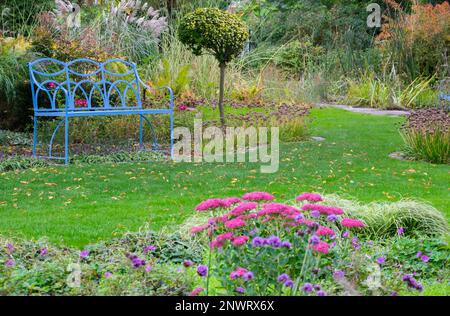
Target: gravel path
363,110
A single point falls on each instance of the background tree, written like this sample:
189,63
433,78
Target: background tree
219,33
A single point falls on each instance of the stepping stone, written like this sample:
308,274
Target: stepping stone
397,155
318,138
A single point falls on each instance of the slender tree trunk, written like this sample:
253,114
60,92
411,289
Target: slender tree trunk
221,91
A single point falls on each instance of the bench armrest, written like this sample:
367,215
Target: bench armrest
147,87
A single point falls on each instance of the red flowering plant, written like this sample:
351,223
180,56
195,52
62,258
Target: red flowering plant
259,247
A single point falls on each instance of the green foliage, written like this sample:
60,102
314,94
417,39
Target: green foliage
213,31
14,138
35,272
21,163
178,81
376,92
405,251
299,56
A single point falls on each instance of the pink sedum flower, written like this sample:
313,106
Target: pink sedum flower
311,197
224,236
243,207
351,223
196,291
325,231
258,196
235,223
321,247
197,229
209,204
323,209
227,202
239,241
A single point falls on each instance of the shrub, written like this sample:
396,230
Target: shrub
15,94
416,42
427,135
215,32
297,57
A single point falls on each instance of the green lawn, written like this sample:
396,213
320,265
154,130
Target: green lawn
76,205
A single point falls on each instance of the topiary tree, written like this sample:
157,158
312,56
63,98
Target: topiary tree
216,32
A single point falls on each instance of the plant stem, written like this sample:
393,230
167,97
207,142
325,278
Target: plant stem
221,92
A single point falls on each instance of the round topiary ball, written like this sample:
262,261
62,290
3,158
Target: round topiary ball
213,31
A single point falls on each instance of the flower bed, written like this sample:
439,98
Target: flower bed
248,246
258,247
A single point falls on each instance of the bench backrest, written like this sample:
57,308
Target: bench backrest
84,84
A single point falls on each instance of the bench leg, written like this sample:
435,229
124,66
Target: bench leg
171,135
66,141
35,122
141,144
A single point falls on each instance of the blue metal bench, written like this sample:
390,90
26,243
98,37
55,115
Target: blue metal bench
444,92
111,88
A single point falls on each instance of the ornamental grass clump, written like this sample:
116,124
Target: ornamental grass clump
407,218
427,135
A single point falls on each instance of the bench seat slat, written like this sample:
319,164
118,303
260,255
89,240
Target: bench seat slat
103,112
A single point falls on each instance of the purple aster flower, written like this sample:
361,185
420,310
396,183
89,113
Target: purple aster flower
283,278
202,270
248,276
314,240
240,290
400,231
355,243
332,218
321,293
137,262
149,248
315,214
411,282
258,242
44,251
307,287
338,274
84,254
188,263
299,217
289,283
286,244
149,268
9,263
317,287
424,258
10,248
381,260
108,275
419,254
253,231
274,241
346,234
